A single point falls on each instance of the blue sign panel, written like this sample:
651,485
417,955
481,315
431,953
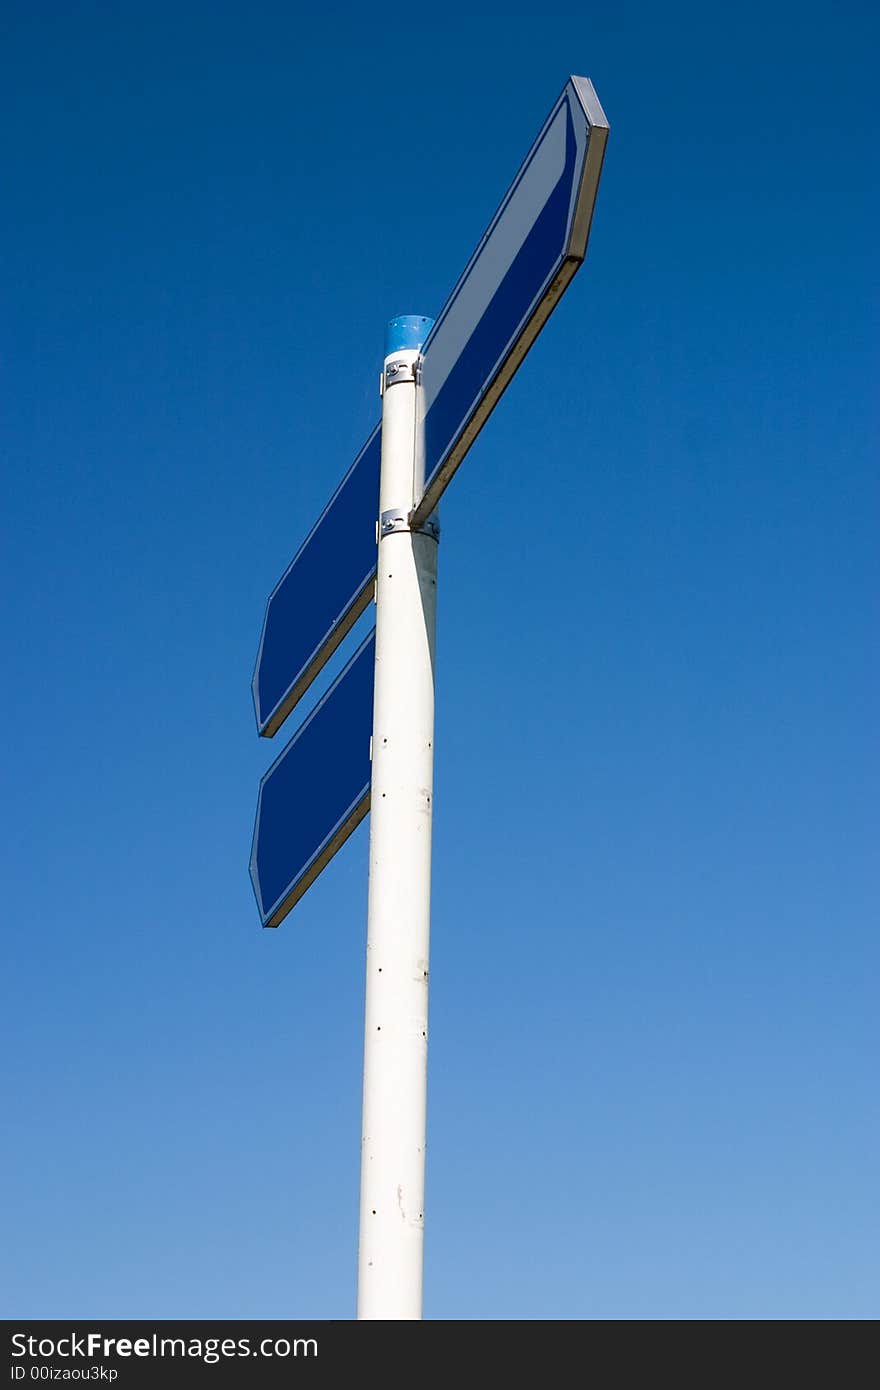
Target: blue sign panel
524,262
316,792
527,257
321,594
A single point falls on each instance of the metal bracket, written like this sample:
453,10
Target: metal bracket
400,369
397,519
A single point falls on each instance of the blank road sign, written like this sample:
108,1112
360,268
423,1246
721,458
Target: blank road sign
527,257
321,594
316,792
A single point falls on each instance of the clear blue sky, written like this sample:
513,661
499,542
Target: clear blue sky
654,1010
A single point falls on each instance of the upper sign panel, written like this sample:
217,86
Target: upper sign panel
321,594
527,257
532,248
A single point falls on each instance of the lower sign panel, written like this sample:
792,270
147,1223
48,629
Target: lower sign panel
316,793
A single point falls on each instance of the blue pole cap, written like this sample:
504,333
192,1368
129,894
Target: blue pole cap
407,331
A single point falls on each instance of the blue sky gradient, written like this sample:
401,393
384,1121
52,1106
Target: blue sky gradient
654,958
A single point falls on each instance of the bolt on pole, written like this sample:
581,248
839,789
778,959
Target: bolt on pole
392,1204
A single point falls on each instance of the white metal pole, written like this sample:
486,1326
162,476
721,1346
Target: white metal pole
392,1209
